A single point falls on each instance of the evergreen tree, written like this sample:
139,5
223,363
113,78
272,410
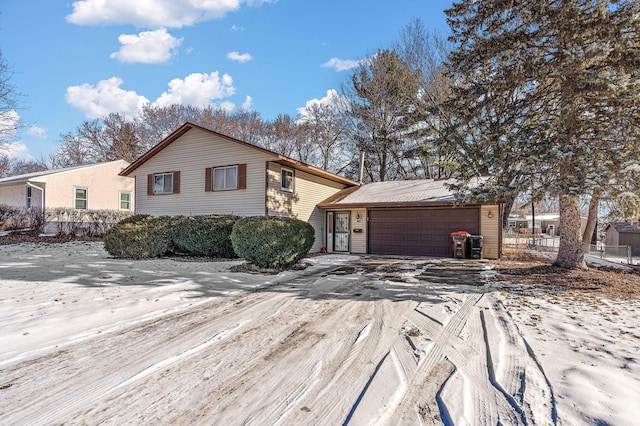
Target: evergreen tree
568,72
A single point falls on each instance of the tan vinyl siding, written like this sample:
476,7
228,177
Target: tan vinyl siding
101,181
308,191
359,239
490,231
191,155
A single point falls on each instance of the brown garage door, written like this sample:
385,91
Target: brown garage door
419,232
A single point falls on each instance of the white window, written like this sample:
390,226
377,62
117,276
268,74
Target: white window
80,198
163,183
29,196
125,200
286,180
225,178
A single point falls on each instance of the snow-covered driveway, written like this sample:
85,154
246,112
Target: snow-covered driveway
87,339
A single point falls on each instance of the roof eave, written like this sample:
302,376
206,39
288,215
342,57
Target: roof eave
411,204
188,126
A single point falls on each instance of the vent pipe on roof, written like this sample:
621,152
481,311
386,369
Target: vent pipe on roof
361,173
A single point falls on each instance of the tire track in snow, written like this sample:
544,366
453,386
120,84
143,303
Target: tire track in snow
294,351
523,376
322,403
469,364
147,346
407,410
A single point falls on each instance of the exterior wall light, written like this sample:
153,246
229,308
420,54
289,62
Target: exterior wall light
490,214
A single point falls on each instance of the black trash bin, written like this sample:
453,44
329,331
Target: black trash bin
474,247
459,244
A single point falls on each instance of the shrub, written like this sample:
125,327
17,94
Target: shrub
11,217
145,238
69,221
272,242
136,218
8,216
205,235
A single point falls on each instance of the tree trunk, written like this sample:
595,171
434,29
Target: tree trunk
592,221
508,206
570,255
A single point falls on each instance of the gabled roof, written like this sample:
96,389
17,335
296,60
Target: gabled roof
405,193
28,177
277,157
624,227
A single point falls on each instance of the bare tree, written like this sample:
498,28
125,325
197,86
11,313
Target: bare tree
122,138
325,123
9,119
283,135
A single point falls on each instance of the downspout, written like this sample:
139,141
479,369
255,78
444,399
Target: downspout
41,193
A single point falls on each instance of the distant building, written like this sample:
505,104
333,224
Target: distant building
623,234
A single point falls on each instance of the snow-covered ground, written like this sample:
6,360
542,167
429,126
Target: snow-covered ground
88,339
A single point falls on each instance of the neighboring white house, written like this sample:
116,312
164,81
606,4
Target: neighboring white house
549,223
89,187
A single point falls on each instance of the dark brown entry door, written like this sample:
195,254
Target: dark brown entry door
419,232
341,231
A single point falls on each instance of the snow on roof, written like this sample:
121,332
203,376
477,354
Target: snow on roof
624,227
405,191
545,216
28,176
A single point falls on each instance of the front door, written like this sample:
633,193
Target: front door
341,231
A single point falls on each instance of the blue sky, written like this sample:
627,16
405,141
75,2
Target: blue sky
74,61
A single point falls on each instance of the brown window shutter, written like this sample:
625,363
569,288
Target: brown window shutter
242,176
176,182
149,184
208,179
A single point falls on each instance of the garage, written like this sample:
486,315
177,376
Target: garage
418,232
409,218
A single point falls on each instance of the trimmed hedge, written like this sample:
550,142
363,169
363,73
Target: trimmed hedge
272,242
140,238
136,218
205,235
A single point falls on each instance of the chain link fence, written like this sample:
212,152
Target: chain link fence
541,242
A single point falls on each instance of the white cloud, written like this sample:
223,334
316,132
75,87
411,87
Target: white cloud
197,89
246,105
331,100
148,47
239,57
227,106
104,98
38,132
153,13
341,64
16,151
237,28
8,122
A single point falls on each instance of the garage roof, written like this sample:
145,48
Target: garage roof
624,227
404,193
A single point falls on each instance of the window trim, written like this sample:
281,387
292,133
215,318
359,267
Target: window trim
76,199
284,170
153,183
213,177
29,200
120,200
